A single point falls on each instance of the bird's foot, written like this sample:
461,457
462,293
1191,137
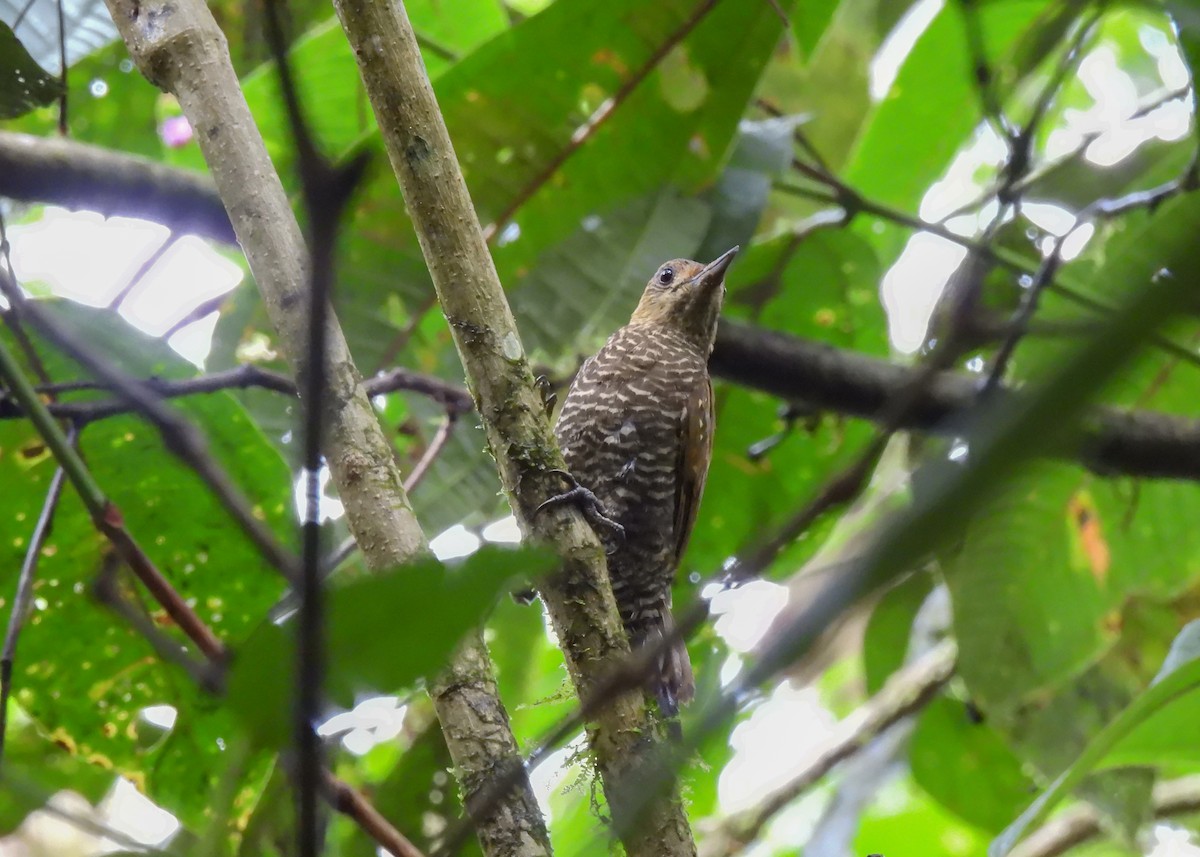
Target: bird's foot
588,504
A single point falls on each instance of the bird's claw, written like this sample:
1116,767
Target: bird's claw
587,503
546,391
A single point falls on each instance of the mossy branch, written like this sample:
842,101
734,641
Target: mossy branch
579,599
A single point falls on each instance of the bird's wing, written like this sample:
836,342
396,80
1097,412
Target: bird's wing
695,451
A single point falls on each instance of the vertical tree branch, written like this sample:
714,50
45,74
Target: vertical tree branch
579,599
179,47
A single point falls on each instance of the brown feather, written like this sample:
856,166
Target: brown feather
695,452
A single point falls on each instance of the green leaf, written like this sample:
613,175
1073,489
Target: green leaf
932,107
1163,739
45,764
761,153
24,86
112,105
1030,586
1179,676
885,642
911,817
381,634
530,672
810,21
966,766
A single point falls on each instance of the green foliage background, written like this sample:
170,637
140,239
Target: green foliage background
1065,594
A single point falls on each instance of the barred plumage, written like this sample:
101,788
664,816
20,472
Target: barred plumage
636,430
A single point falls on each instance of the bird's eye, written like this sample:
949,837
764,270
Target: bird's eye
666,276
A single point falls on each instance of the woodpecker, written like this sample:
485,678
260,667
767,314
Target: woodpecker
636,430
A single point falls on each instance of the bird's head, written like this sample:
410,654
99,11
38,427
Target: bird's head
686,296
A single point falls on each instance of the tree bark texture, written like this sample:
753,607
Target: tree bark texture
579,598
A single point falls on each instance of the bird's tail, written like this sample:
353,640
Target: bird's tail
672,683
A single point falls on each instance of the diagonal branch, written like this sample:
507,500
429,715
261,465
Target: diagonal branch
105,516
579,599
908,691
179,436
1082,823
607,108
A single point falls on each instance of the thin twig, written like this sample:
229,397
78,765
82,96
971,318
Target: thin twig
179,436
201,310
24,594
12,316
440,438
63,124
428,43
435,448
1037,174
143,269
1020,143
810,149
1102,208
985,82
1151,198
855,204
452,397
21,15
778,10
907,691
207,673
1082,822
12,321
1023,316
353,804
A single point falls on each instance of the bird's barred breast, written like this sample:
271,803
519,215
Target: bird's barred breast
620,432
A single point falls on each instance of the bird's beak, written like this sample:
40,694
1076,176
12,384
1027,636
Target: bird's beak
713,274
